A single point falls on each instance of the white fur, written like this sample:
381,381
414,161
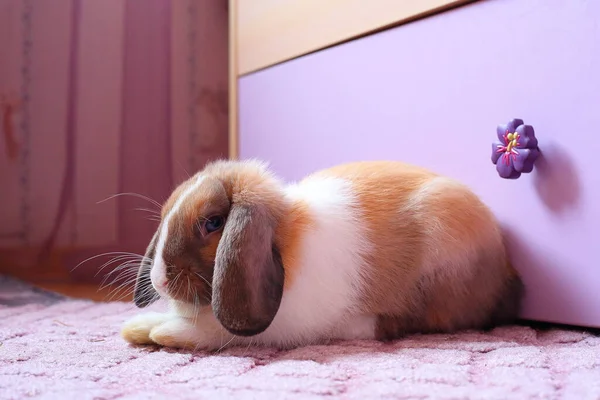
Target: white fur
326,284
158,273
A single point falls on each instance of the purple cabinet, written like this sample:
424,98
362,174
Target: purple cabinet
433,93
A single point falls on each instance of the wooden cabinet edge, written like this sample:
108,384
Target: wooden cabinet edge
256,20
233,80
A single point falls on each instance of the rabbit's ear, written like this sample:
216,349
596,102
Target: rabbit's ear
143,292
248,275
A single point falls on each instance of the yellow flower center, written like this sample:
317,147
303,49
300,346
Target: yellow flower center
513,141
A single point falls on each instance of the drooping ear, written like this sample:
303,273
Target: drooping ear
248,275
144,293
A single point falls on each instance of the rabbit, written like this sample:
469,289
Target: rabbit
367,250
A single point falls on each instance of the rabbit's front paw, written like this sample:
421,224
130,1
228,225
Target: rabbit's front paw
137,329
180,333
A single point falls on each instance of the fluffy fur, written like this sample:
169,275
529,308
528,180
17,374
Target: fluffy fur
368,250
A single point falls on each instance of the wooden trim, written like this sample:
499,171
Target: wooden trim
84,291
272,31
233,80
62,264
23,263
55,273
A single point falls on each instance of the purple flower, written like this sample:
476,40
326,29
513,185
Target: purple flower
516,151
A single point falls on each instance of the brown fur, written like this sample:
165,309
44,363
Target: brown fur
446,298
187,256
248,277
244,182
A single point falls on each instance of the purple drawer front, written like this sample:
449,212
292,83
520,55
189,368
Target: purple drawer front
432,93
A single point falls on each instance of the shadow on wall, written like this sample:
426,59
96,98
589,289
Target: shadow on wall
556,180
541,274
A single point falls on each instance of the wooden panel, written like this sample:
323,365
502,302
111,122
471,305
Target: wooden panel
432,93
272,31
233,81
88,292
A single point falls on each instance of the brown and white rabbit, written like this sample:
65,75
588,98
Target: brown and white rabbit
366,250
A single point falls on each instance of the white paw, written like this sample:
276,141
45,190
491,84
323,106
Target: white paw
137,329
176,333
172,330
181,333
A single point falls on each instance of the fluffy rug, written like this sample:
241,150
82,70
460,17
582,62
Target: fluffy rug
58,348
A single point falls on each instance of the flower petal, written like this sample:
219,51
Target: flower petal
495,153
505,167
507,171
524,160
510,127
527,138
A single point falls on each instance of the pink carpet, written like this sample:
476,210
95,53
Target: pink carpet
57,348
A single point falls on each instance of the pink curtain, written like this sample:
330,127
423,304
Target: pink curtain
103,98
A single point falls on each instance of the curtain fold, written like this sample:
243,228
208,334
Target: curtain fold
100,99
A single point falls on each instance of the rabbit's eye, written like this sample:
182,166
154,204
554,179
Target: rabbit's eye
214,223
